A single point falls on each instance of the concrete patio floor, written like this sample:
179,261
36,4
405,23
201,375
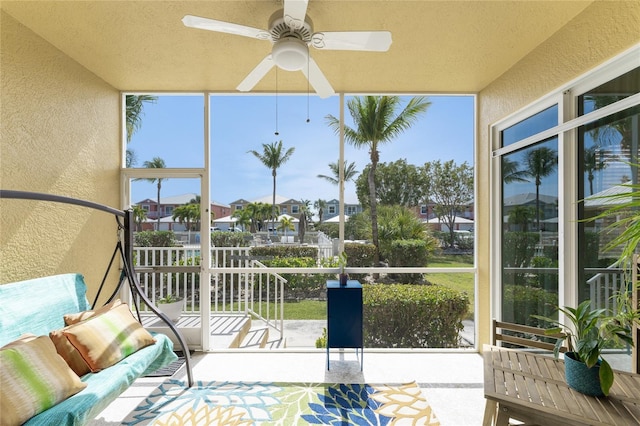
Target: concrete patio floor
452,382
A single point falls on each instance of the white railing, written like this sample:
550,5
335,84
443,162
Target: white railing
169,270
175,271
325,246
604,285
268,289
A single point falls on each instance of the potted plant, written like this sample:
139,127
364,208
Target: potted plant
171,306
342,263
587,333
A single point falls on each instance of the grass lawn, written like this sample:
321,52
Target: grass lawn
460,282
317,310
302,310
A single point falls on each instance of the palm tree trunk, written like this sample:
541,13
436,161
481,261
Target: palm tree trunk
373,205
158,212
538,206
273,202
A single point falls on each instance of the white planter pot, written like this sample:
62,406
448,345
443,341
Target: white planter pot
172,310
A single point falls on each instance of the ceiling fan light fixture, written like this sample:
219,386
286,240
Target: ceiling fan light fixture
290,54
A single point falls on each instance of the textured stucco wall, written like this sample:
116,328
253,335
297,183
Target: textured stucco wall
59,135
602,31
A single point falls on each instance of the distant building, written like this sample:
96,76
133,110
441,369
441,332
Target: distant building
166,207
548,210
427,211
333,209
285,205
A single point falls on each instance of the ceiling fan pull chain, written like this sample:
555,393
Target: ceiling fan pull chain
277,133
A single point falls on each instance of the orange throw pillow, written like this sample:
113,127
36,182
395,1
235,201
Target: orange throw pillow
105,339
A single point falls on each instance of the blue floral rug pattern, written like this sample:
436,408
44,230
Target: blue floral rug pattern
282,404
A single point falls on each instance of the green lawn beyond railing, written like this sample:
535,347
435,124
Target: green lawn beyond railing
460,282
317,310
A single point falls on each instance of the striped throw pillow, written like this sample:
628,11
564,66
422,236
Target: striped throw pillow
33,378
70,319
69,353
105,339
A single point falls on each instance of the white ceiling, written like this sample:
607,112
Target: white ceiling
438,46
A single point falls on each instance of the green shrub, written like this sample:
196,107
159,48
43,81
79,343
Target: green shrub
519,302
231,239
461,240
285,251
408,253
412,316
155,239
300,286
330,229
321,342
359,255
519,248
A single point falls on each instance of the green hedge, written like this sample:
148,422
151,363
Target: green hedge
231,239
408,253
412,316
519,248
300,286
519,302
359,256
285,251
155,239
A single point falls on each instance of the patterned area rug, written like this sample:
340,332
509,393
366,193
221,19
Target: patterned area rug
284,404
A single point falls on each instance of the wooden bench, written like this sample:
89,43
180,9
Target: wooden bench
524,336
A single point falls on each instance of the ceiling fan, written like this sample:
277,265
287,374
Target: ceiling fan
291,34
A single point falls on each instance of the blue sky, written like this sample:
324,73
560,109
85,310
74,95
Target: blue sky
173,129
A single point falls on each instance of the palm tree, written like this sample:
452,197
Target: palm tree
593,162
139,215
305,207
134,112
377,121
253,210
188,214
540,162
286,224
520,216
305,218
133,117
273,156
258,213
511,173
320,205
156,163
349,172
243,217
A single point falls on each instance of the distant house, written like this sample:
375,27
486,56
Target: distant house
333,209
548,210
165,211
427,211
285,205
459,224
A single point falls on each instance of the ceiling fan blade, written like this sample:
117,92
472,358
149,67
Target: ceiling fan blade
317,79
223,27
374,41
294,12
256,74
